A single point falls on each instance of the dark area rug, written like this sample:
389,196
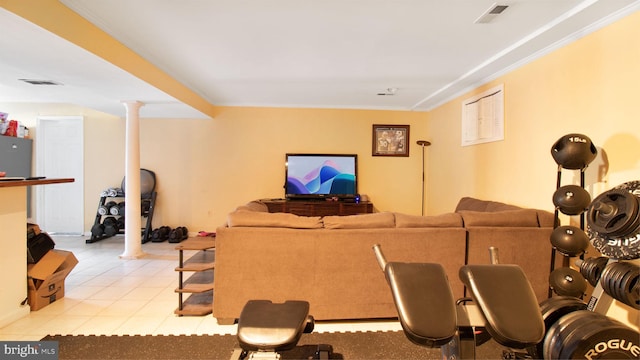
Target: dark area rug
351,345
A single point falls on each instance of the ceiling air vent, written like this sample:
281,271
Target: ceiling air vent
41,82
388,92
491,13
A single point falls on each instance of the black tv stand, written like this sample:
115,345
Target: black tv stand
319,207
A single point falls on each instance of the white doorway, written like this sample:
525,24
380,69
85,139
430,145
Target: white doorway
60,154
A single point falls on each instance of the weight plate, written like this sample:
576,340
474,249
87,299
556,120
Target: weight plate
613,280
614,212
554,338
553,309
616,248
592,268
601,338
625,271
608,279
564,328
635,294
583,325
628,289
550,340
626,247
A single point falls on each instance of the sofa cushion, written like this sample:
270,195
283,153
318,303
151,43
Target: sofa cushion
265,219
360,221
473,204
417,221
522,218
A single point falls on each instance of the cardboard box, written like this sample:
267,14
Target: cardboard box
45,279
38,246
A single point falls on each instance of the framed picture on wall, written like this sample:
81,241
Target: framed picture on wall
390,140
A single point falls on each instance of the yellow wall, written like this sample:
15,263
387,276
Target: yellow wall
205,168
589,87
103,148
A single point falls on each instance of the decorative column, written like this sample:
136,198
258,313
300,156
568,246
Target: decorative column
132,226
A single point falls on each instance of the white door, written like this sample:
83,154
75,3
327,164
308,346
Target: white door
60,154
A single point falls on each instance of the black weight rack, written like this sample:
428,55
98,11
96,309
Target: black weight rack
147,213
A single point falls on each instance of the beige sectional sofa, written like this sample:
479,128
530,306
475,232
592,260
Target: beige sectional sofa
329,261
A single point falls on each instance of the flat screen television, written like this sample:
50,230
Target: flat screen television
320,176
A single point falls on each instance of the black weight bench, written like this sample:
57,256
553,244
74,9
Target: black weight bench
507,302
424,302
428,313
265,329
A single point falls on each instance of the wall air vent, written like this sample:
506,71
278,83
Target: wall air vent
491,13
41,82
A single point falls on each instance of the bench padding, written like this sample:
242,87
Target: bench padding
266,326
424,301
508,303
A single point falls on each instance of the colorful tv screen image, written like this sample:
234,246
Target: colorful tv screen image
321,175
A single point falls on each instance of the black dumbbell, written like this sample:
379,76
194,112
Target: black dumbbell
178,234
118,209
106,208
114,210
110,226
185,233
121,223
97,230
160,234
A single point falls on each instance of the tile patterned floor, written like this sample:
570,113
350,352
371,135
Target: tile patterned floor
106,295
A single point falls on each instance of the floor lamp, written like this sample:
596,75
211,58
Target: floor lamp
423,143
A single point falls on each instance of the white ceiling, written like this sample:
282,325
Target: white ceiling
293,53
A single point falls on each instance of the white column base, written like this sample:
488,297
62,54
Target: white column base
126,256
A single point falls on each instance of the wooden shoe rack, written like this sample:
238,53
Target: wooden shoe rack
198,286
